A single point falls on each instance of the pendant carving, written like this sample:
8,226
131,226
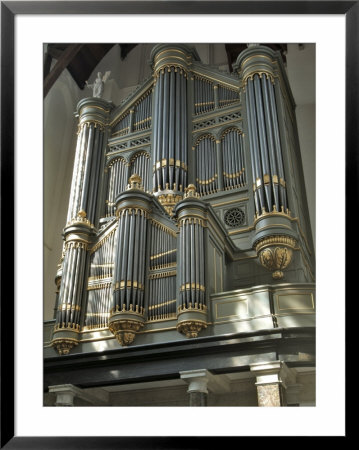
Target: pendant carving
275,253
125,330
191,328
63,346
125,324
169,201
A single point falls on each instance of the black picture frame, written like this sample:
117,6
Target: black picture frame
9,9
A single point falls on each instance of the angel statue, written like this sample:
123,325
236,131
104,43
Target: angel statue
99,84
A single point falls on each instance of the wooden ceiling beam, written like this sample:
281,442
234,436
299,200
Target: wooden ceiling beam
61,64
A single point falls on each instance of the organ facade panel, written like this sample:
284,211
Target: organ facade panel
185,195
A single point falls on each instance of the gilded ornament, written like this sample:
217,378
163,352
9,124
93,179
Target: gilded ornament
125,330
135,182
191,328
190,191
125,323
81,220
168,201
63,346
275,253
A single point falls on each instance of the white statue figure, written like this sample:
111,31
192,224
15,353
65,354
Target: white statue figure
99,84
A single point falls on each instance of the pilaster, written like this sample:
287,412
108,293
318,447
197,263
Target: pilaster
197,386
66,394
271,382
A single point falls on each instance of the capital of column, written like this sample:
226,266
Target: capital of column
94,110
65,394
257,59
176,55
197,380
273,372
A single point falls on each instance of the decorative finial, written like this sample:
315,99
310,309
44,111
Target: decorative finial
81,214
135,182
190,191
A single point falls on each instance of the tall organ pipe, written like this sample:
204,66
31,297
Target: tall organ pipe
282,188
253,128
264,135
271,145
262,141
170,129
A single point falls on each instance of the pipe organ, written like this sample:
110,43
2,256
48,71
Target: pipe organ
179,194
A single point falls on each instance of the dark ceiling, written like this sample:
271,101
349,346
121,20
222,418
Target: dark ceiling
81,59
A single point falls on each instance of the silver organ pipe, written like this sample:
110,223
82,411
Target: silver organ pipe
206,162
233,159
143,112
227,96
170,129
99,284
162,275
269,185
203,95
122,126
117,182
140,165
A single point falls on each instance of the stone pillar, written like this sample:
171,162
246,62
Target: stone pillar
65,394
271,382
197,386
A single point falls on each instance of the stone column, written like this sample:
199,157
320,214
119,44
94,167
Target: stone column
65,394
271,382
197,386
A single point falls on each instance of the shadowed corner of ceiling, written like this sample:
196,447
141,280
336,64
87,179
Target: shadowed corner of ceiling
79,59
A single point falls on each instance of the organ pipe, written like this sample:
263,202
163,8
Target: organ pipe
127,289
269,187
233,159
170,129
206,162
